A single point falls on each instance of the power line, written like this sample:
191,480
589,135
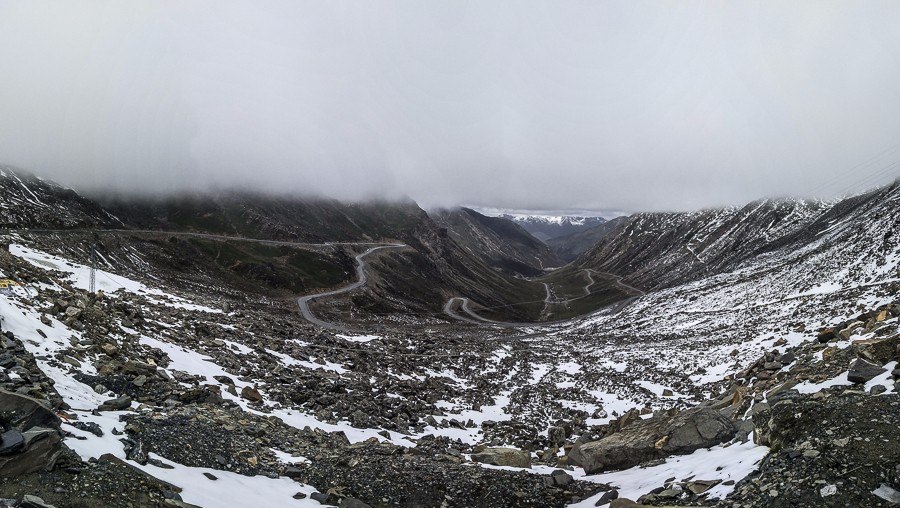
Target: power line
851,174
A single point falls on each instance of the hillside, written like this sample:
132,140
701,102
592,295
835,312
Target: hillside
27,201
505,244
754,382
653,250
569,247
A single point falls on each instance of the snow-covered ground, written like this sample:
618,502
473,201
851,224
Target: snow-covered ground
80,277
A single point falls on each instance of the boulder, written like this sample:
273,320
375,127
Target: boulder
31,441
574,456
352,502
117,404
862,371
656,438
849,330
24,412
498,456
29,501
251,394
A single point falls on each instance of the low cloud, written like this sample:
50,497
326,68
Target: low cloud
521,105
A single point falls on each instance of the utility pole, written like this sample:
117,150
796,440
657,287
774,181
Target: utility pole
93,268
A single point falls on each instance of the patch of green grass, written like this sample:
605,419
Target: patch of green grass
274,267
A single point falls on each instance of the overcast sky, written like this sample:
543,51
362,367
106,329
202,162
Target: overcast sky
526,105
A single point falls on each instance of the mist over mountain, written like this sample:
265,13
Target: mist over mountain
553,108
492,254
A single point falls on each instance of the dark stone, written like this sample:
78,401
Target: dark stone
861,371
607,497
352,502
91,427
561,478
11,441
210,476
321,497
826,335
292,472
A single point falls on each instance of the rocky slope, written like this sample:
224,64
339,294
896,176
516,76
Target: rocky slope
30,202
662,249
569,247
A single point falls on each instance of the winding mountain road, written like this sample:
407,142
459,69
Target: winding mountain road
473,317
304,301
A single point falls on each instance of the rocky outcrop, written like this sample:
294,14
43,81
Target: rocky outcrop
657,437
30,439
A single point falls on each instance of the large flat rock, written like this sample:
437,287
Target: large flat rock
656,438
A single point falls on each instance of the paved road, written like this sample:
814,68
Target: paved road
615,308
303,302
362,276
208,236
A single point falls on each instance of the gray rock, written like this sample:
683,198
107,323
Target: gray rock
498,456
11,441
352,502
561,478
251,394
117,404
657,438
574,455
29,501
862,371
607,497
23,412
37,456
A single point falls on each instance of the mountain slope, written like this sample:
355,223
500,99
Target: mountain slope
569,247
270,217
653,250
27,201
506,245
421,279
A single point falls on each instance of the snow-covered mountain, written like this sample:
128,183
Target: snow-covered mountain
545,227
27,201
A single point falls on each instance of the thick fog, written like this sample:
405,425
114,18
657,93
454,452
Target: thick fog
524,105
